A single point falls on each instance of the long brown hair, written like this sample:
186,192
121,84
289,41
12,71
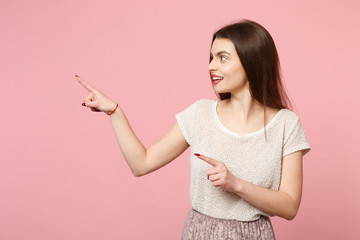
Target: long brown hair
259,58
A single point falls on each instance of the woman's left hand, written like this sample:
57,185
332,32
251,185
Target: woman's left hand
219,175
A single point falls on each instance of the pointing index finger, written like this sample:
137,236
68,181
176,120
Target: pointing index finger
211,161
85,84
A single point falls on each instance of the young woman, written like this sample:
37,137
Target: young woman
246,148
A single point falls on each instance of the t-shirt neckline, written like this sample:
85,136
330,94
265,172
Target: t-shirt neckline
242,134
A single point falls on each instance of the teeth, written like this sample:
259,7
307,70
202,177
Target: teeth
217,78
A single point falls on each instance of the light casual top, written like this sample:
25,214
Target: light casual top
247,156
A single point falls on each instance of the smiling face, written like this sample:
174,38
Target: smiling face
227,73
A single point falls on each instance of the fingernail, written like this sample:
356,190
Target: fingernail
76,75
83,104
196,154
208,177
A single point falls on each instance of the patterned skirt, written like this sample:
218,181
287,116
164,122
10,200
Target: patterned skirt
202,227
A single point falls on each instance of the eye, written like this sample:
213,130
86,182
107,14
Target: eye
223,58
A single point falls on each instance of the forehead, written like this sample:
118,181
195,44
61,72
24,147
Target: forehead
222,44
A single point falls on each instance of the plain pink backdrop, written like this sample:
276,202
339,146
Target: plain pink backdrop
62,175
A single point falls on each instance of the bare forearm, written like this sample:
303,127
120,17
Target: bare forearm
133,150
273,202
283,203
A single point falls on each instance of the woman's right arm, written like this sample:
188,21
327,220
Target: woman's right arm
140,160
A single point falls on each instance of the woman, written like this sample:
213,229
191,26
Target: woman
246,148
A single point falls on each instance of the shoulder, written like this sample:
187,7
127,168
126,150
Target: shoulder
290,121
205,102
289,116
202,103
198,105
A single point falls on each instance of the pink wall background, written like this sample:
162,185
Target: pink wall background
62,175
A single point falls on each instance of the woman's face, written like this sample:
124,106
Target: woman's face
227,73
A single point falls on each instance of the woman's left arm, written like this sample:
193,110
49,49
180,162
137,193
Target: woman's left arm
284,202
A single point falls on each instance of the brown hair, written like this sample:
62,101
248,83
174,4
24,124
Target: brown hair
259,58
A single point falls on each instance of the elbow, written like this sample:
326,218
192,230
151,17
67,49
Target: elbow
138,170
137,173
290,217
141,170
290,208
291,213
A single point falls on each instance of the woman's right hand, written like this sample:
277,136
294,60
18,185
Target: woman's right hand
96,100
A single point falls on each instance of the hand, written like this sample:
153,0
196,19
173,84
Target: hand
220,175
96,100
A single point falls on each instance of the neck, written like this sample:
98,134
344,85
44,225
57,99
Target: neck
244,107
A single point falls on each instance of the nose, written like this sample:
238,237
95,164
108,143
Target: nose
212,66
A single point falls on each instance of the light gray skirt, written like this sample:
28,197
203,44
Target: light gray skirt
202,227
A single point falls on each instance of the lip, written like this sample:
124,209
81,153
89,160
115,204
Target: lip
214,82
213,75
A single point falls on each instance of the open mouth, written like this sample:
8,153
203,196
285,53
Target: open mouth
216,79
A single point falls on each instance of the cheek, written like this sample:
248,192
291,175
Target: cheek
229,70
236,73
241,72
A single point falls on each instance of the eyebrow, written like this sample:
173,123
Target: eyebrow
221,52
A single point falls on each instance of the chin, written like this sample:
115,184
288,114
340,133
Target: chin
218,91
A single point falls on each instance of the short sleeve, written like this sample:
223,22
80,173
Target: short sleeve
185,120
295,139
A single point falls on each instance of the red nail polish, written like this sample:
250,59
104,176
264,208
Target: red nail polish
83,104
208,178
196,154
76,75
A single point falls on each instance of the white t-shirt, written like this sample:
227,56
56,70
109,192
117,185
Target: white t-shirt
247,156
